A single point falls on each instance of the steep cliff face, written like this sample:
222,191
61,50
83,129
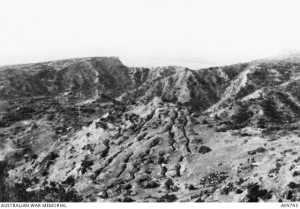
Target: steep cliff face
196,90
92,129
81,77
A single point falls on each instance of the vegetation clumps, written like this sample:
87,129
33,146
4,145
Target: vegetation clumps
56,193
258,150
204,149
167,198
293,185
296,173
86,165
255,193
125,199
241,117
213,179
147,183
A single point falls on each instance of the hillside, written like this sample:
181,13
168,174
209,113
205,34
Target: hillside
93,129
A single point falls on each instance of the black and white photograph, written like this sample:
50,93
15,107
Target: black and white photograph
149,101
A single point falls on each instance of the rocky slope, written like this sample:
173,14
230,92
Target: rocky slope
92,129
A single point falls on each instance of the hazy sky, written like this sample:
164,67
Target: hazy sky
192,33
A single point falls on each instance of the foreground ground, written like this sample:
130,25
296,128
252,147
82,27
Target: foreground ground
158,152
